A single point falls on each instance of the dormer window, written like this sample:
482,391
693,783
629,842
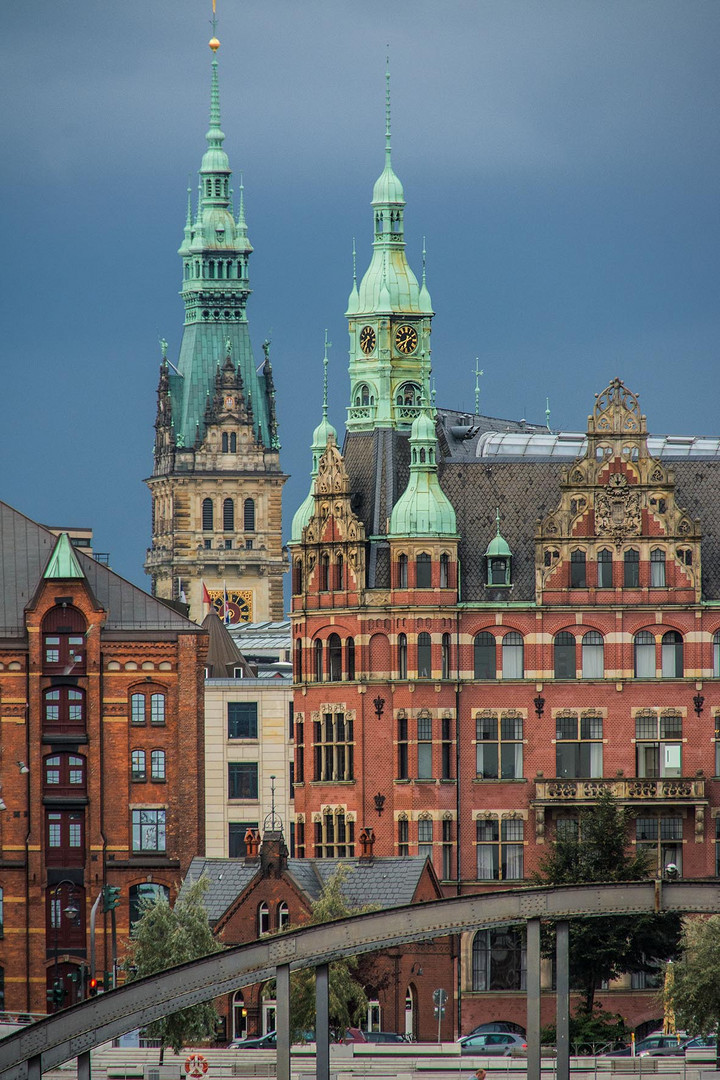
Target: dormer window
499,559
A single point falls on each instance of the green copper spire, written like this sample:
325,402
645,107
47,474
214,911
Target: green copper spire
63,564
319,444
423,509
215,252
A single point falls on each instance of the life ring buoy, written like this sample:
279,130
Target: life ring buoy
196,1066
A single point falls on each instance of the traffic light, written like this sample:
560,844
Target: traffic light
56,994
107,980
92,987
111,897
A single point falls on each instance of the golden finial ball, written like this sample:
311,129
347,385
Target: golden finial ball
214,44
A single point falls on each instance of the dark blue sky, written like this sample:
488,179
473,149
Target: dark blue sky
561,159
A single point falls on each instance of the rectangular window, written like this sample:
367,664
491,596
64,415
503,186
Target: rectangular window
425,838
447,849
604,569
499,849
334,748
661,839
403,837
424,748
148,830
578,759
499,758
291,721
137,709
446,747
242,720
236,838
423,572
242,780
157,709
402,748
300,752
656,757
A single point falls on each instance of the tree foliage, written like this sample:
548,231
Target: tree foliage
163,937
603,948
693,988
347,998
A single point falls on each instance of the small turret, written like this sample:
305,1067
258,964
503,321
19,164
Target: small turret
423,509
499,558
319,444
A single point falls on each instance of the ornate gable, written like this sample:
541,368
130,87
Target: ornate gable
617,508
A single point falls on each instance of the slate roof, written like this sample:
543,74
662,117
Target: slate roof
385,882
26,547
223,655
524,489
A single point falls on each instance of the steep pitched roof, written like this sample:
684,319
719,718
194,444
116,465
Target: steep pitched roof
25,551
223,654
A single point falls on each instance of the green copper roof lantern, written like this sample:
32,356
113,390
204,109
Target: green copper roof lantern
63,564
423,509
499,558
321,435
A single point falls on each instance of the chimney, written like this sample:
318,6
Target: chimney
273,854
367,843
252,846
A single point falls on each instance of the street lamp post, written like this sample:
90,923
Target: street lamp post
72,911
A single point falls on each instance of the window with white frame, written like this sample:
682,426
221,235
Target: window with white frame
498,959
333,747
499,848
578,746
499,749
657,568
672,655
593,655
644,648
148,830
513,662
425,838
424,746
658,744
334,835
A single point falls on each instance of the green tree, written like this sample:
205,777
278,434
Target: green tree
605,947
347,998
692,988
163,937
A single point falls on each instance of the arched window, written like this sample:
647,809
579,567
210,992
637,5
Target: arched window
402,578
137,765
298,661
593,655
657,568
318,647
513,662
64,774
644,647
564,655
249,515
64,641
283,915
408,394
228,515
446,656
604,569
225,442
423,571
484,650
239,1016
207,515
402,656
672,655
297,577
233,442
424,656
157,765
263,919
631,564
334,652
716,654
324,572
351,658
339,572
363,395
498,960
64,709
578,578
444,571
141,896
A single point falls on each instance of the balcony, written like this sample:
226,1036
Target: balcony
361,412
627,791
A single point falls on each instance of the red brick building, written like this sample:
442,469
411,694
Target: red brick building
101,690
267,891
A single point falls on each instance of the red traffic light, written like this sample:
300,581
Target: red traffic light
92,987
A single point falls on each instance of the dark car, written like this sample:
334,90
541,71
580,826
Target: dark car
499,1025
259,1042
658,1045
495,1043
357,1036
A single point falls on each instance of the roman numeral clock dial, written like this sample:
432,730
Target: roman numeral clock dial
406,339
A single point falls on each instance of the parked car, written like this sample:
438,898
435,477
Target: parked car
259,1042
355,1035
496,1043
499,1025
656,1045
701,1042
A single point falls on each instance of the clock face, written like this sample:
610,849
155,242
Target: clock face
406,339
239,605
367,339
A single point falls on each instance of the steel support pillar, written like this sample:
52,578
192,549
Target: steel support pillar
533,999
322,1022
83,1066
34,1067
562,1000
282,1020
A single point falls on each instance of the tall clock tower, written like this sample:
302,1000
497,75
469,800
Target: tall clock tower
216,483
389,318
